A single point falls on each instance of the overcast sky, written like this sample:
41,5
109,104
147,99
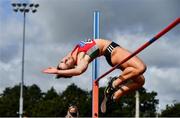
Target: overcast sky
60,24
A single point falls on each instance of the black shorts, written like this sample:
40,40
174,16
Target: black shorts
108,52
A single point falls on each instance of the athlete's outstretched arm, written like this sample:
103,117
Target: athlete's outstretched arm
79,69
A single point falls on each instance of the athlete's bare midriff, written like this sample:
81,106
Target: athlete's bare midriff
118,54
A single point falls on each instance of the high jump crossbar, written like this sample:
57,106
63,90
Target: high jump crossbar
157,36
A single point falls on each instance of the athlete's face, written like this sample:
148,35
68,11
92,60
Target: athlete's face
66,63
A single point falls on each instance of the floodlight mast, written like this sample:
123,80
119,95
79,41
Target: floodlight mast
23,8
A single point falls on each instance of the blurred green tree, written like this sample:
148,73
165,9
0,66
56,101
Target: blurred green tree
171,110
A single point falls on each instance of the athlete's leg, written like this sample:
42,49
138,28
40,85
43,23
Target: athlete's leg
128,73
130,80
129,86
113,94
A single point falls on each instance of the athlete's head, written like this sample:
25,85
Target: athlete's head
66,63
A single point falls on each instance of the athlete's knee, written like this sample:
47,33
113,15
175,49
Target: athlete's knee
140,80
143,68
140,70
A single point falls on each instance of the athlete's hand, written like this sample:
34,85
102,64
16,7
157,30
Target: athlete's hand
50,70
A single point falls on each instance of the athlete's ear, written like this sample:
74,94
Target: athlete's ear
73,60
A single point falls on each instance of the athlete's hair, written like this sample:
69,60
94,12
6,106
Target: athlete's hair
61,76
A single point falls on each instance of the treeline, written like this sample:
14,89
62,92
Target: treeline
54,104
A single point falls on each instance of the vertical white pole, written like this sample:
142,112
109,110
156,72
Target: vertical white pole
137,105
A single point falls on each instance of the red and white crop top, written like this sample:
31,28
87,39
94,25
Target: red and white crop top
89,47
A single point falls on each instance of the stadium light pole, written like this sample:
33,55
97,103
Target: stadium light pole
23,8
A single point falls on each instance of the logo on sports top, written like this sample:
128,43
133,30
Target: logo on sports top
88,41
